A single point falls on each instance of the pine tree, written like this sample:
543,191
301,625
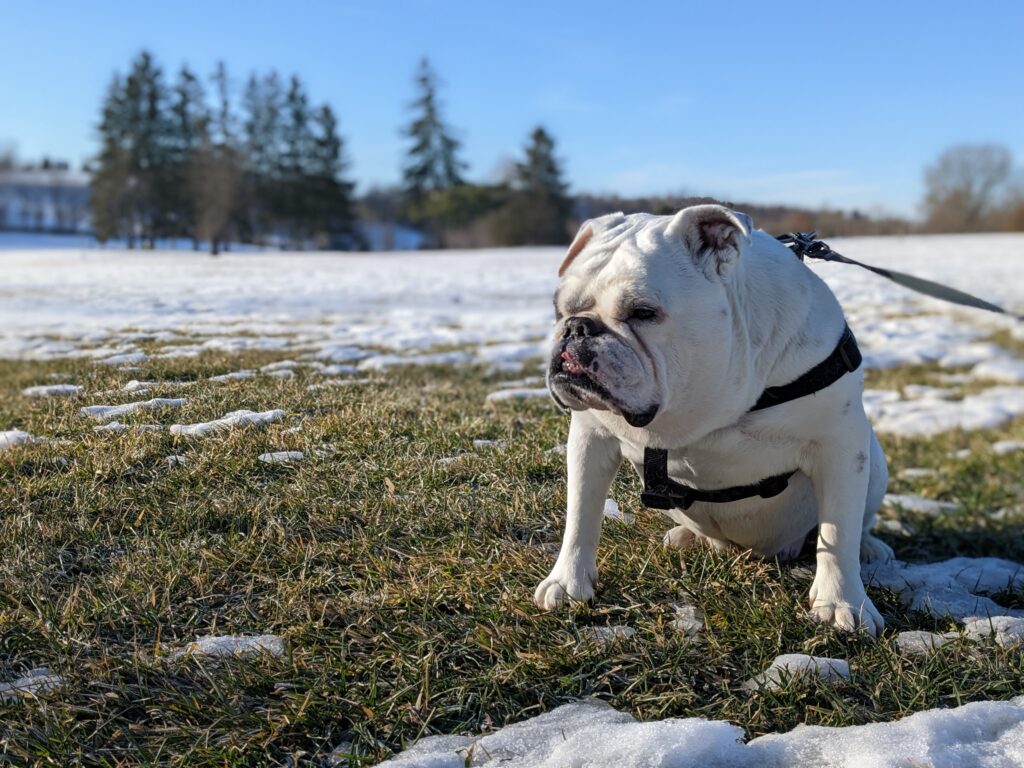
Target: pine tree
332,218
432,161
190,126
262,129
539,208
133,167
218,172
297,146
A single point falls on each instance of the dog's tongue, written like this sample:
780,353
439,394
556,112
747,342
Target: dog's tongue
572,365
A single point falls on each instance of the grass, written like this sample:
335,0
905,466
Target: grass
403,584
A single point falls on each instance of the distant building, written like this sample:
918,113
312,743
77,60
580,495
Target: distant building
50,199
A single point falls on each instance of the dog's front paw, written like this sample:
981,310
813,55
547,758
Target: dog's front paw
847,609
575,583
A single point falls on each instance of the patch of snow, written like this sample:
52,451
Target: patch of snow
970,354
1007,631
105,412
176,460
137,386
281,457
1004,447
955,588
338,383
962,453
612,512
987,409
280,365
383,362
234,376
497,444
925,392
519,394
34,682
918,504
1003,370
337,369
240,418
688,621
13,437
799,665
988,734
284,373
53,390
130,358
913,473
237,646
606,636
919,643
118,427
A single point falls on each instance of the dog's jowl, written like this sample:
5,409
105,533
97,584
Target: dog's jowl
671,333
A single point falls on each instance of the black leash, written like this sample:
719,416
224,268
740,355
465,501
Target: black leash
806,245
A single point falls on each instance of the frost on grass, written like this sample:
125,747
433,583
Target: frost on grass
32,683
591,733
237,646
956,588
53,390
14,437
791,666
281,457
918,504
107,412
234,419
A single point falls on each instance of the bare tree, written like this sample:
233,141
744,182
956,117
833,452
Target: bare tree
962,187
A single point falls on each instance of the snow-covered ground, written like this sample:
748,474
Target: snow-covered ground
345,314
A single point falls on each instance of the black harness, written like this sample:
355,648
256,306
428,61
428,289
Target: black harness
662,492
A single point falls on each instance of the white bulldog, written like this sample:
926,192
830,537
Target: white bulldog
668,330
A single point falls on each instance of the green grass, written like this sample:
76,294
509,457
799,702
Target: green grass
403,585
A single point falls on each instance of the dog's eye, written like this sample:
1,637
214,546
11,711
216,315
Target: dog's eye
643,314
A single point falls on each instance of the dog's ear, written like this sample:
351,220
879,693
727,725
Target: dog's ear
588,229
713,234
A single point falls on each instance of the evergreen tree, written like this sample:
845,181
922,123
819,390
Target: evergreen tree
133,168
538,210
432,162
190,126
332,217
262,130
218,171
297,148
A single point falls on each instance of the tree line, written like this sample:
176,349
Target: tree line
182,159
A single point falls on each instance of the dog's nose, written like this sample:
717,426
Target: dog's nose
581,327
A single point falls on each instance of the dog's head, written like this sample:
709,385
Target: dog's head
643,319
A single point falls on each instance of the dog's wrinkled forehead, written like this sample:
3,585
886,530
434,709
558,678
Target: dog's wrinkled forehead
603,237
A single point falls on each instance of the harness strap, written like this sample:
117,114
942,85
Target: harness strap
845,358
662,492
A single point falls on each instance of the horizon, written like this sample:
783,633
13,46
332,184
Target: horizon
887,98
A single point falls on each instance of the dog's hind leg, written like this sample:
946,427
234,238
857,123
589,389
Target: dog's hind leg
871,547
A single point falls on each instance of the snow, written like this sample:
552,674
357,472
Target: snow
1001,370
14,437
53,390
117,427
234,376
234,419
919,504
789,666
612,512
281,457
32,683
914,473
132,358
921,643
590,733
1008,631
523,393
1004,447
957,588
928,416
106,412
606,636
237,646
688,621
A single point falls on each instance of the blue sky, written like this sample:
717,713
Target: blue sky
808,103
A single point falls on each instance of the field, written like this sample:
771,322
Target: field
394,563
